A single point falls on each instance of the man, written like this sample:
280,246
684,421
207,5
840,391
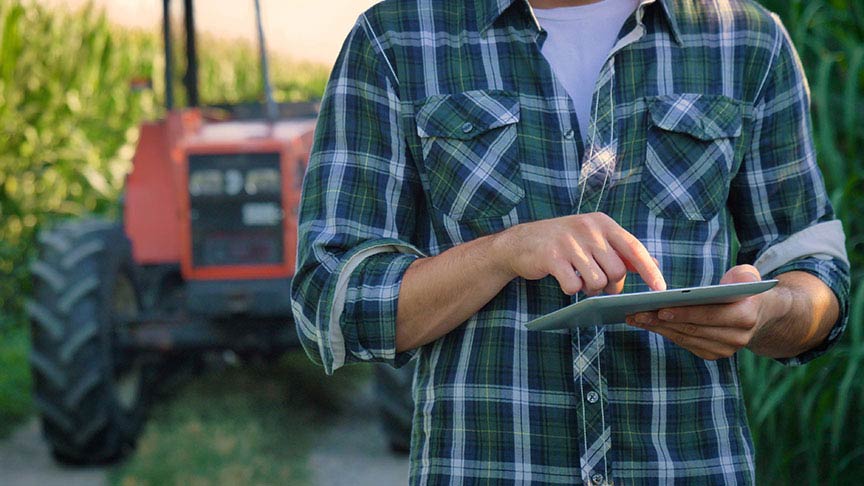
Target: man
479,164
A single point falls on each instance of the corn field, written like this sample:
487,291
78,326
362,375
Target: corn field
68,125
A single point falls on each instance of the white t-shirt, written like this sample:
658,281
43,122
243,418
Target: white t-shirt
577,43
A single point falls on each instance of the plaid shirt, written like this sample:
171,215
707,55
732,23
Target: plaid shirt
442,122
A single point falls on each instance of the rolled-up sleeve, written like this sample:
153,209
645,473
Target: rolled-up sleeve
783,217
356,221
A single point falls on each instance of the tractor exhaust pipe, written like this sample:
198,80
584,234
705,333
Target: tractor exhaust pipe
272,111
169,61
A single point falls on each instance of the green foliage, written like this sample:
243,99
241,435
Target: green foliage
67,123
807,420
230,72
14,379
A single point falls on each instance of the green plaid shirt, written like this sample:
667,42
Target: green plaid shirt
443,122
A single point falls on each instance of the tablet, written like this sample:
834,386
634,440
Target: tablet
613,309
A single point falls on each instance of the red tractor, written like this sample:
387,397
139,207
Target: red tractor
202,261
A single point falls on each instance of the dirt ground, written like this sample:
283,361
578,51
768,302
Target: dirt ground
26,461
356,443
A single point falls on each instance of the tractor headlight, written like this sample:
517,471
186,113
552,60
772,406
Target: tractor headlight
206,183
263,181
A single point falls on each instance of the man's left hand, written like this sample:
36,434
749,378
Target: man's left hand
713,331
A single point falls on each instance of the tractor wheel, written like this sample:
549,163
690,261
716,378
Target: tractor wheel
395,404
88,394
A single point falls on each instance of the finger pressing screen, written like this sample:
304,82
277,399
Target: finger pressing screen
634,252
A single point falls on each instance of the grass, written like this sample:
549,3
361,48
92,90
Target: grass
247,425
15,401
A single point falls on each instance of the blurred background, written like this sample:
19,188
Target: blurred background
74,87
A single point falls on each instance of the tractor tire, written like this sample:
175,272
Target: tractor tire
395,404
89,395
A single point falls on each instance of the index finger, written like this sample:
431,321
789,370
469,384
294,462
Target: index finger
631,268
635,253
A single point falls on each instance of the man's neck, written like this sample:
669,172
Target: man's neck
560,3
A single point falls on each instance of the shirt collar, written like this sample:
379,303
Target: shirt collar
488,12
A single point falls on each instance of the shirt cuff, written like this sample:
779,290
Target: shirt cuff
835,274
363,316
825,240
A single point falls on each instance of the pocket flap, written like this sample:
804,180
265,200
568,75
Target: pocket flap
465,115
706,117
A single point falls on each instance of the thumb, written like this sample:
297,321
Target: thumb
741,274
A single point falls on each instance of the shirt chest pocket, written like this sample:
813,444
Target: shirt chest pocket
690,154
470,154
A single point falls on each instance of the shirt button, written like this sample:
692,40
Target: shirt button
597,478
467,127
592,396
569,134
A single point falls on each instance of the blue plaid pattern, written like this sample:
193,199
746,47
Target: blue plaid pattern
442,122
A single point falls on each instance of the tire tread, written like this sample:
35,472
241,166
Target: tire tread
73,379
44,319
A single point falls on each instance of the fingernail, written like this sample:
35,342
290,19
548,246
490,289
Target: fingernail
666,315
643,319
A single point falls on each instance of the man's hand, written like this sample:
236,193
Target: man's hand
589,252
720,330
438,293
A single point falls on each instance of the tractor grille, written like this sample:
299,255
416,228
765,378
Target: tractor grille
236,209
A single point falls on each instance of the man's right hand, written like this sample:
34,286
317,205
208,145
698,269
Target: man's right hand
440,292
589,252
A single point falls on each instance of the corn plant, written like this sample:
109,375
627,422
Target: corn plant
66,123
